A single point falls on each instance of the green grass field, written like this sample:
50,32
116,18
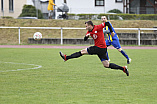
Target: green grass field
79,81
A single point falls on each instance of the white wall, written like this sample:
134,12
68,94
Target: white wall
84,6
88,6
30,2
81,7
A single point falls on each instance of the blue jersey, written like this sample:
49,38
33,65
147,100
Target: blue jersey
110,38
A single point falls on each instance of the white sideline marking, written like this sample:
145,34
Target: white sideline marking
36,66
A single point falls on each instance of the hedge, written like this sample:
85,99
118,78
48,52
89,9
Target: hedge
117,16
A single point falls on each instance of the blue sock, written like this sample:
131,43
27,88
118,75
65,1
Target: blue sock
124,54
107,55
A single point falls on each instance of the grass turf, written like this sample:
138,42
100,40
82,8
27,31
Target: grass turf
79,81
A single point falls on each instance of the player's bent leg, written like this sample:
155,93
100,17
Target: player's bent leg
114,66
116,44
84,51
125,55
107,56
119,49
105,63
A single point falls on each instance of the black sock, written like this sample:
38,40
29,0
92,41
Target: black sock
114,66
74,55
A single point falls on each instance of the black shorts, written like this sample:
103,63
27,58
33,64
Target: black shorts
101,52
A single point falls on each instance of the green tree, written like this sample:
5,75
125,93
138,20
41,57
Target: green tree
30,11
114,11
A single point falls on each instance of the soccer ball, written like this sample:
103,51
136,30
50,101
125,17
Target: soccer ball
37,36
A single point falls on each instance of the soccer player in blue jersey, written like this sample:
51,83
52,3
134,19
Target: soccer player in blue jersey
113,40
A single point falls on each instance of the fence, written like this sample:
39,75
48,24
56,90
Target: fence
62,28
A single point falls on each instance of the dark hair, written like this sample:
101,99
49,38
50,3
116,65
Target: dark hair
89,23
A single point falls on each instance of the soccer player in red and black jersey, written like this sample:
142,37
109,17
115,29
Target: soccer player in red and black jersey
99,48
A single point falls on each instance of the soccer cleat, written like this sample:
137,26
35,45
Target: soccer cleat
126,70
63,56
129,61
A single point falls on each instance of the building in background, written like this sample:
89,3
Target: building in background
90,6
103,6
13,8
142,6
